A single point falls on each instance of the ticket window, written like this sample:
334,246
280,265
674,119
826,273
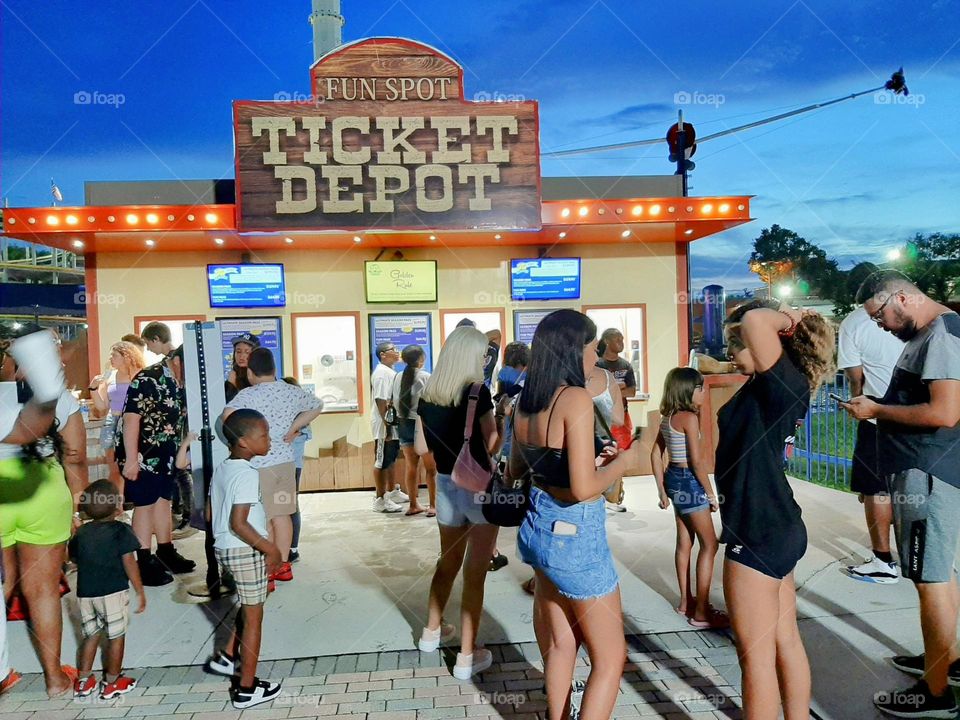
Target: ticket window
327,358
174,322
485,320
631,321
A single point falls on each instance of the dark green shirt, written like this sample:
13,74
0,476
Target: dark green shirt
98,548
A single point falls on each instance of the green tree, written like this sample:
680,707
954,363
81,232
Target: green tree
933,263
781,254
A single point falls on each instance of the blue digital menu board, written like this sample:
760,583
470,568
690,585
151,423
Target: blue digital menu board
246,285
545,279
401,329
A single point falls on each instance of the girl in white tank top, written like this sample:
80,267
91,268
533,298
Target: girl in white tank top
685,483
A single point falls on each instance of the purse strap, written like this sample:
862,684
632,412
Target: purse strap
471,410
604,425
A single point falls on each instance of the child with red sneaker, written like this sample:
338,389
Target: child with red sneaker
105,553
239,539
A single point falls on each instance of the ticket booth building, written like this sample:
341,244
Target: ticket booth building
393,208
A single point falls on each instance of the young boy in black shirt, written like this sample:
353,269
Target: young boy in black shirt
105,553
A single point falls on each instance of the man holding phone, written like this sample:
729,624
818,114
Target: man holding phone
919,423
867,355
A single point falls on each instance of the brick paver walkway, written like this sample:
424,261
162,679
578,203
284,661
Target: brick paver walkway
689,675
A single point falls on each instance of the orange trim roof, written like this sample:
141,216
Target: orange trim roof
174,228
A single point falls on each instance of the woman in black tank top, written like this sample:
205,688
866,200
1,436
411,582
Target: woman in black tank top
563,536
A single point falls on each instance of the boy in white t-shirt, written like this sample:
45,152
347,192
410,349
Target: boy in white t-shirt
241,546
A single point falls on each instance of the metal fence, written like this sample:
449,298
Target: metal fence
823,447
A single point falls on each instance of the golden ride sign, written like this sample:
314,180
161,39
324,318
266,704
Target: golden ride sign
388,142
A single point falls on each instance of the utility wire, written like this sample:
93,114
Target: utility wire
714,136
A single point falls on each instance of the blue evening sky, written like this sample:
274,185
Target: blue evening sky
857,179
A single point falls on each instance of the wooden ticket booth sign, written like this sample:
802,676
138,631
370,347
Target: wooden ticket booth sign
387,141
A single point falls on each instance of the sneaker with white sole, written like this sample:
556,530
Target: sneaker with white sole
917,702
916,665
385,505
430,640
469,665
875,570
398,496
261,692
220,664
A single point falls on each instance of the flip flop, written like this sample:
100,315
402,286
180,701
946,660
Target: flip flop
719,620
431,512
72,673
12,678
529,586
411,511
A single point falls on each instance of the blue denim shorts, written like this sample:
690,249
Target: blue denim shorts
457,507
406,430
579,564
685,491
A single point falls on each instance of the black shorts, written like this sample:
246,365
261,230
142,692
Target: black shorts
385,453
148,488
865,475
777,558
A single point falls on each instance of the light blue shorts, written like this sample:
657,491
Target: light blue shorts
457,507
579,564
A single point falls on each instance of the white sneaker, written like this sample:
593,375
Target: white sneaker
875,570
220,664
263,691
616,507
385,505
430,639
398,496
469,665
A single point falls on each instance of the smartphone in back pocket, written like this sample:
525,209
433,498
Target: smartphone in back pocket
560,527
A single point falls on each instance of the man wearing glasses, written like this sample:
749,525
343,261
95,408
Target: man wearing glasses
387,443
919,423
867,355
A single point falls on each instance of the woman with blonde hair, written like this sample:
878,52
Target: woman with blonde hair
109,391
787,354
466,539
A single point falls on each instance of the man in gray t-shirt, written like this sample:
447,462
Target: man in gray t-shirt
919,424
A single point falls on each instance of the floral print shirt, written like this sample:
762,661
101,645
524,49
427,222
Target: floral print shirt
160,402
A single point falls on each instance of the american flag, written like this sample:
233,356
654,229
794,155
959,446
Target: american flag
55,191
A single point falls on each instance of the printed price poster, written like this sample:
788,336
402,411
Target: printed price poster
525,323
265,329
401,330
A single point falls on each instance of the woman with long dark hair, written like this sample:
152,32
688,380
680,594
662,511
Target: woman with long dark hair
407,388
237,378
563,537
786,355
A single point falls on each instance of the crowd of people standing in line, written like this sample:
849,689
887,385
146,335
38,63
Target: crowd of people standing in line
550,424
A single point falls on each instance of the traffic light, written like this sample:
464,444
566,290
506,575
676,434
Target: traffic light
688,140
